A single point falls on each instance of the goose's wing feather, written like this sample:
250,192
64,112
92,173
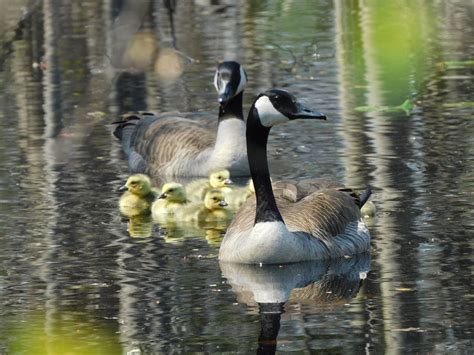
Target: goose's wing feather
155,141
325,212
162,140
296,190
308,206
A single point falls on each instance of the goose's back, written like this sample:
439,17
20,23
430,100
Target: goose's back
320,208
162,141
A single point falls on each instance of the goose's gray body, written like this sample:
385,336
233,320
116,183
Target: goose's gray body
322,222
291,221
176,146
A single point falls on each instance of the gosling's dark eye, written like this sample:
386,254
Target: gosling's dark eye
170,190
219,177
133,183
215,199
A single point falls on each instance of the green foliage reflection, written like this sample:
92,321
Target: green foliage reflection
64,333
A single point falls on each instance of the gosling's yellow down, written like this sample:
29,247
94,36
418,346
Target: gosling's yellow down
138,198
210,210
197,189
172,197
238,195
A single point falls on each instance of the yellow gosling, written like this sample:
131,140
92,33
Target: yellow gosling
172,197
211,210
138,198
197,189
238,195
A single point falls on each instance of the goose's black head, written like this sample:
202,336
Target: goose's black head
278,106
230,80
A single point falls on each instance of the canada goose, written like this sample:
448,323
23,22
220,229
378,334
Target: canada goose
139,196
174,146
210,210
220,180
172,197
301,221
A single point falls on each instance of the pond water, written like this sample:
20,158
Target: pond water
77,277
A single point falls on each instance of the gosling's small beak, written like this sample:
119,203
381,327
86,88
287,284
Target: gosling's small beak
304,112
162,195
228,182
123,188
223,203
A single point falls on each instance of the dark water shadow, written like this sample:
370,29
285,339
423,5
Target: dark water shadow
271,287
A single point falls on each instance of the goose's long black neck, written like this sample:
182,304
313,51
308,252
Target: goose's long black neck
257,138
233,109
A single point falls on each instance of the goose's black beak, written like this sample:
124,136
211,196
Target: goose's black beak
228,93
304,112
162,195
123,188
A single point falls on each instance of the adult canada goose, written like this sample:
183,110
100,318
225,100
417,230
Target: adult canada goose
302,221
174,146
220,180
139,196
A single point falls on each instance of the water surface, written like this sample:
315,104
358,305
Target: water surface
74,274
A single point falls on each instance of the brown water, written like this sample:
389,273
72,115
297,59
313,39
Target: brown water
76,276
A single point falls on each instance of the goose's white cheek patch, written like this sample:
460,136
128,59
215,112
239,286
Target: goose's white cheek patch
269,115
216,84
220,84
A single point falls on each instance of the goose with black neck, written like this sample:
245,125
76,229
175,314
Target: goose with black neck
176,146
291,221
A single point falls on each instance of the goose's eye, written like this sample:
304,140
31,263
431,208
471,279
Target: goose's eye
133,183
215,199
219,177
170,190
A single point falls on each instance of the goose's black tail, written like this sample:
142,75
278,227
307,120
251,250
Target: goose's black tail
130,120
127,120
126,132
364,196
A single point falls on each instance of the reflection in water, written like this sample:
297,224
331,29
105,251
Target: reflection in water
65,247
140,226
315,283
177,233
65,333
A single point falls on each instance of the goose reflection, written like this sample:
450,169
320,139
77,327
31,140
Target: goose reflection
271,287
